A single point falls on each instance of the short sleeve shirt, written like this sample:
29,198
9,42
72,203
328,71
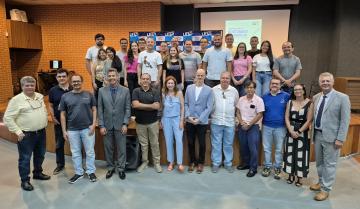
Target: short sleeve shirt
55,95
92,53
191,62
250,108
287,66
78,108
216,59
261,63
150,61
146,97
241,66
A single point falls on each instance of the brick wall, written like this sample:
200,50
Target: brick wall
5,69
68,30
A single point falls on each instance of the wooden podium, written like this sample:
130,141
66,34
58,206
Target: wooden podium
351,87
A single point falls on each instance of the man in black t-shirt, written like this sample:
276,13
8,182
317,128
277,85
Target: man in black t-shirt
55,95
254,41
146,102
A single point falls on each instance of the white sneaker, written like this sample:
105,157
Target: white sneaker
142,167
158,168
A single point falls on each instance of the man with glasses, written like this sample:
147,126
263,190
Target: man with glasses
223,123
250,110
274,128
26,116
55,95
78,118
92,52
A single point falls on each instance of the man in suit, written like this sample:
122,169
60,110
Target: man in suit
114,113
199,101
332,118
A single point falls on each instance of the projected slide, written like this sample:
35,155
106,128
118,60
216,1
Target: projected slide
243,30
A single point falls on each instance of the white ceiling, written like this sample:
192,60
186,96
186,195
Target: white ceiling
197,3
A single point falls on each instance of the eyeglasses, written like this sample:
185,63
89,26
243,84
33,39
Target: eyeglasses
35,104
76,81
297,89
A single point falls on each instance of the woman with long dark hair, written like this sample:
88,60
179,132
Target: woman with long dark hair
113,61
98,71
262,68
242,68
172,122
298,117
130,71
174,66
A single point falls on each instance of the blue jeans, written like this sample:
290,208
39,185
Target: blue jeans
262,82
272,136
249,146
241,88
78,138
171,129
32,142
222,137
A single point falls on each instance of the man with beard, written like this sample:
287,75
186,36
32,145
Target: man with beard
216,60
287,67
92,52
78,118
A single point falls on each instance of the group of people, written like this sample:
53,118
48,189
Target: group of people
221,90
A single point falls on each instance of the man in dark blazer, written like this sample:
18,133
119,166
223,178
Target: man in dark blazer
114,112
330,125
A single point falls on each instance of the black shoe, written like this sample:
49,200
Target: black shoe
241,167
41,176
122,175
25,185
75,178
110,173
58,169
251,173
92,177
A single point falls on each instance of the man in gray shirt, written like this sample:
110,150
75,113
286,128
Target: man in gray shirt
78,118
192,62
287,67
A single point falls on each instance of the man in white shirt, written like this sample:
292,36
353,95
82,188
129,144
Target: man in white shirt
92,52
223,123
150,62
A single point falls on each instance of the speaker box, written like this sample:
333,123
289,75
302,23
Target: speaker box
133,153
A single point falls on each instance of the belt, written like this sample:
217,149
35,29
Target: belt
263,72
34,132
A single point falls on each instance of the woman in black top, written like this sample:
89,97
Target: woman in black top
174,66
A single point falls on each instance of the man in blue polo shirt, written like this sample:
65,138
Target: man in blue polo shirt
274,129
55,95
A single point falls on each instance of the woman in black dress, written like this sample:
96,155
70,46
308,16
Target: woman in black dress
298,118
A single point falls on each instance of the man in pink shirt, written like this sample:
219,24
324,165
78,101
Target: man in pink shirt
250,110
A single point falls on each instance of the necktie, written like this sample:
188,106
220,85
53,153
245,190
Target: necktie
319,114
113,94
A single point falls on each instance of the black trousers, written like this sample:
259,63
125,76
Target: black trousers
59,149
198,131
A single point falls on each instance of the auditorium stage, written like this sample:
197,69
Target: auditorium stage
170,190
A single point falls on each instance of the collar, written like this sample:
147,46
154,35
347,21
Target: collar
277,93
36,97
328,94
142,89
67,89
